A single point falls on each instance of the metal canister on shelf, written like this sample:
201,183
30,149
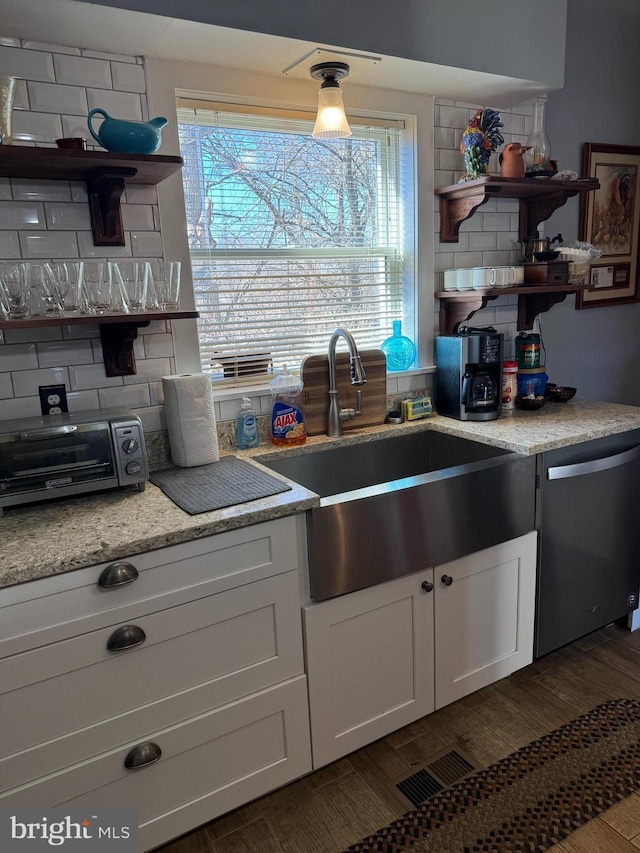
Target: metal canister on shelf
509,385
527,350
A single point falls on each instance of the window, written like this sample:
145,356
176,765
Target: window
290,236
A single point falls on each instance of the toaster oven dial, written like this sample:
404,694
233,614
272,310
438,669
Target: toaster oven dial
133,468
130,446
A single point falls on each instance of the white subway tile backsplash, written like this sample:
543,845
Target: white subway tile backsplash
127,77
67,216
76,127
5,189
481,240
50,48
9,245
496,258
141,194
96,344
35,190
507,241
152,418
150,370
48,244
79,70
54,98
18,357
131,396
26,382
146,245
86,376
63,353
496,222
21,98
26,336
27,64
464,260
75,332
89,250
78,191
80,401
454,117
21,215
121,104
156,393
20,407
155,327
116,57
450,159
36,127
6,388
158,346
137,217
9,42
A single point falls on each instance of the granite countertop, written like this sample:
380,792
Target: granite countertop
60,536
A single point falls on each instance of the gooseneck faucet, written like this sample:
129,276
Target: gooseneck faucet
358,377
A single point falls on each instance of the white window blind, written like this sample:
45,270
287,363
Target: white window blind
289,236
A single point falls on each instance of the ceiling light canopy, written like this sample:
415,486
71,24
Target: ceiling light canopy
331,122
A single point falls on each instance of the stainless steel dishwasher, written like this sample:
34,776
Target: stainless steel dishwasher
587,515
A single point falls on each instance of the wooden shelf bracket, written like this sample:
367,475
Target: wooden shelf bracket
117,347
105,195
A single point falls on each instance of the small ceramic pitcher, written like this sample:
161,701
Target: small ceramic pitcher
127,137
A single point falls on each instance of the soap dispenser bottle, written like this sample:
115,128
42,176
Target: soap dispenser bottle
247,426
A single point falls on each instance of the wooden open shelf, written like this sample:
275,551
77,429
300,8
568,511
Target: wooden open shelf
117,333
104,172
539,197
457,307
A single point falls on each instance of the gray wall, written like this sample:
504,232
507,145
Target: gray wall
597,349
466,33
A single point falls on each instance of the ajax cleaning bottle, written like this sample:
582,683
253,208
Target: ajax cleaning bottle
287,414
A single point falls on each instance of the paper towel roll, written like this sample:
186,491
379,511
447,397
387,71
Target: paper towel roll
191,420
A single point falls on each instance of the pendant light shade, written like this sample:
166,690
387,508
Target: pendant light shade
331,122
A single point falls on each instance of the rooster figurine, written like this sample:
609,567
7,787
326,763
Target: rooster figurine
479,139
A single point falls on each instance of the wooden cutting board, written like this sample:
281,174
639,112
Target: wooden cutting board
314,372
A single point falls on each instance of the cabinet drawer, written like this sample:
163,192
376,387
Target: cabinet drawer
209,765
69,604
238,641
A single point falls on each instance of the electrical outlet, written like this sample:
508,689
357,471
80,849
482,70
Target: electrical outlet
53,399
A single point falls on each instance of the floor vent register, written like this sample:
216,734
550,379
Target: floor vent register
427,779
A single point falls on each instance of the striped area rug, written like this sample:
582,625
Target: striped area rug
533,798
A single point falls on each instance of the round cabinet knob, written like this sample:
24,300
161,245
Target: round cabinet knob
142,755
447,580
130,445
427,586
133,468
127,637
117,574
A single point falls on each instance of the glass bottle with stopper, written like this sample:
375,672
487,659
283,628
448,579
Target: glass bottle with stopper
537,158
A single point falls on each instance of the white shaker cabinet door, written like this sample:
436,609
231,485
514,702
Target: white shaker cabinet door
369,664
484,610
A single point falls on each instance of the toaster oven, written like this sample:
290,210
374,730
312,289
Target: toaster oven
56,456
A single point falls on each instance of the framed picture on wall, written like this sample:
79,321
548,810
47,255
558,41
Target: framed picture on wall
610,220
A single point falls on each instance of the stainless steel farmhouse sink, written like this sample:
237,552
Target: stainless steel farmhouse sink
400,504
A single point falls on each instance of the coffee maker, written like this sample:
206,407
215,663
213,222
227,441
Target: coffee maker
469,374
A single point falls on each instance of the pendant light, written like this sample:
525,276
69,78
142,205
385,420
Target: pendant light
331,122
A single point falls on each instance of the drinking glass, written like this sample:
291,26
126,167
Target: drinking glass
132,278
15,287
97,287
68,277
43,282
165,280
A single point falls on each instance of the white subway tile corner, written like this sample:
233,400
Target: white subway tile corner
158,346
114,57
127,77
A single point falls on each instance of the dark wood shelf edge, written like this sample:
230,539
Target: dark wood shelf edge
539,198
105,173
457,307
117,333
97,319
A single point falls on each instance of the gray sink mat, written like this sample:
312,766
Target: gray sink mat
207,487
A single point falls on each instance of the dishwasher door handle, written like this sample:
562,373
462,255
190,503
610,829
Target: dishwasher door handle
562,472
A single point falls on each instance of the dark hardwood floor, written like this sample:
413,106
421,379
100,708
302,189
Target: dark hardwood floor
337,805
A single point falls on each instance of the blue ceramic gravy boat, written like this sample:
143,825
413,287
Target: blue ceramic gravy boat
127,137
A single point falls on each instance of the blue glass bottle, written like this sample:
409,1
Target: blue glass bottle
399,349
